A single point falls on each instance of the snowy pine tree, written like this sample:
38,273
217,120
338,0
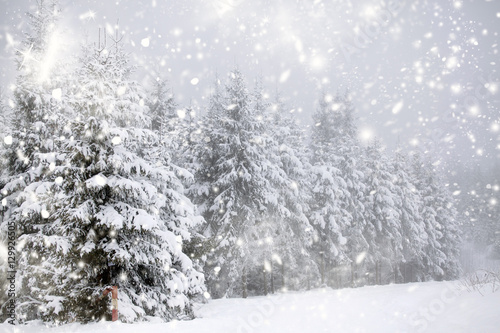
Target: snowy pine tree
205,156
106,210
383,232
5,118
492,207
161,108
32,152
236,188
166,118
328,190
408,202
293,234
5,138
477,196
440,221
350,163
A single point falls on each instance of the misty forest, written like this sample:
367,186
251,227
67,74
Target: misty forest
108,180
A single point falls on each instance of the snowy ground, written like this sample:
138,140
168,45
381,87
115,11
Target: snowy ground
418,307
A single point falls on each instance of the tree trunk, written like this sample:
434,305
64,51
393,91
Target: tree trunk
264,273
379,273
272,279
244,283
352,274
308,278
322,268
379,270
283,275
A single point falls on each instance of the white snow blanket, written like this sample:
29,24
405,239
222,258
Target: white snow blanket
417,307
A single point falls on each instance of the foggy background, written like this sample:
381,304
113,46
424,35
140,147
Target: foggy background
422,74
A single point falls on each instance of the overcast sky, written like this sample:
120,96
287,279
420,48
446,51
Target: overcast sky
421,73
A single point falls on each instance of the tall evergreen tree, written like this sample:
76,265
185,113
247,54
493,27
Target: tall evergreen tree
383,230
236,187
37,130
204,163
441,225
294,233
493,210
166,117
5,138
352,169
162,108
449,222
477,198
328,190
5,118
141,217
408,202
106,211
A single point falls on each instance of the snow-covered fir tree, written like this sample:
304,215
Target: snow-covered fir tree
440,223
408,203
5,138
293,239
167,118
32,151
205,155
162,108
350,163
188,131
477,201
434,257
472,201
106,210
492,208
383,231
235,188
328,191
5,118
176,126
449,222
